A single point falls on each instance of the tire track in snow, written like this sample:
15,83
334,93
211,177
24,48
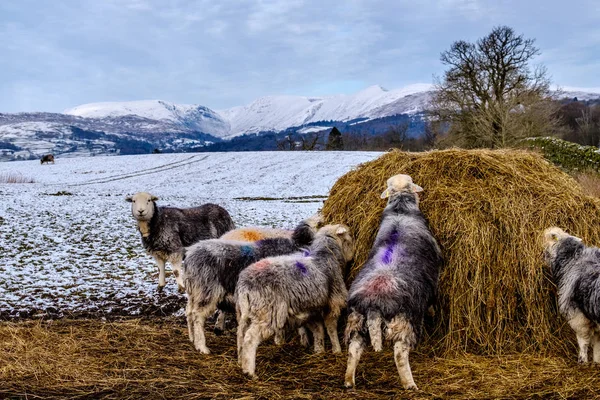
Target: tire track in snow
142,172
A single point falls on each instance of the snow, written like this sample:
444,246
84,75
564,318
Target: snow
69,246
152,109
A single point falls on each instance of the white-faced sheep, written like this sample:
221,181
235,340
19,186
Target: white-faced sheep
299,288
167,230
397,284
576,272
211,269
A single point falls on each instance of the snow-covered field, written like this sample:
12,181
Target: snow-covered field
69,246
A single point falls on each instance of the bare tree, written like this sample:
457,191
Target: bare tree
489,95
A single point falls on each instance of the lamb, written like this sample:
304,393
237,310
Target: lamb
167,230
211,269
576,272
397,284
304,287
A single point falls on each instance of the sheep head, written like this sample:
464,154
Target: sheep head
552,236
142,205
341,233
400,184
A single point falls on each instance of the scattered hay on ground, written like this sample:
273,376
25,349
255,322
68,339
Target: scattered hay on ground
487,209
147,359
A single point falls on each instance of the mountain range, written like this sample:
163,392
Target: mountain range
142,126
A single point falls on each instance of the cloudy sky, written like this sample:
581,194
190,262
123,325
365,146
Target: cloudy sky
221,53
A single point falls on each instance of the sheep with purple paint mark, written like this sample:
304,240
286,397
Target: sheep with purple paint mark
211,269
576,272
301,288
166,231
397,284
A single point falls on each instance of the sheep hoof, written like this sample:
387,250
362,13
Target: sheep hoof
203,350
160,288
348,385
218,331
411,387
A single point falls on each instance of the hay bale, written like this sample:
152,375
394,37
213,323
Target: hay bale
487,209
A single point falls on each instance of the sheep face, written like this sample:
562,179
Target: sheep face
400,184
142,205
341,233
552,236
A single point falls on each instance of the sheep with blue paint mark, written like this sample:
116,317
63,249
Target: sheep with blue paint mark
397,284
211,269
302,288
576,272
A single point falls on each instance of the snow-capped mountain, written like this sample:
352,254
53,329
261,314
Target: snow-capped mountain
193,117
141,126
276,113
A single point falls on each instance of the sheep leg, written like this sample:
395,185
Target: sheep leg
279,337
176,263
241,332
374,322
596,344
582,327
401,351
355,350
331,322
199,317
318,336
220,323
303,336
190,319
161,273
252,339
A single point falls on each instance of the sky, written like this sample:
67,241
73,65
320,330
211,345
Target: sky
222,53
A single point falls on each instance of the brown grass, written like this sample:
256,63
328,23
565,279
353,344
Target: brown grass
14,177
140,359
590,183
487,209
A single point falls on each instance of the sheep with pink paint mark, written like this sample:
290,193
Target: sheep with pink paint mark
397,284
302,288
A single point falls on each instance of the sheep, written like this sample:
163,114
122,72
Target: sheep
211,269
166,231
47,158
251,234
576,273
397,284
297,288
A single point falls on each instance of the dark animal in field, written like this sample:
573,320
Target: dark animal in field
576,272
166,231
47,158
397,284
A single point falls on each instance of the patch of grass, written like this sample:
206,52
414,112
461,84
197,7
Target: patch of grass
570,156
292,199
136,359
590,183
15,177
60,193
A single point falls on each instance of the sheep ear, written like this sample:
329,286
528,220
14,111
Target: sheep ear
153,198
385,194
341,230
129,199
416,188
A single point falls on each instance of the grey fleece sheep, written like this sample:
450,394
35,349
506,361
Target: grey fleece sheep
397,284
211,269
299,288
167,230
576,272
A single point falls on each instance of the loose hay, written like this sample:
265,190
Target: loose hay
142,359
487,209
